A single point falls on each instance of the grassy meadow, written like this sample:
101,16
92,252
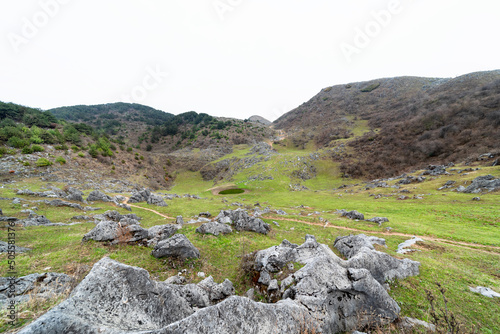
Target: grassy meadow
461,248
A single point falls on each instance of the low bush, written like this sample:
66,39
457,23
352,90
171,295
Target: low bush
43,162
37,148
61,160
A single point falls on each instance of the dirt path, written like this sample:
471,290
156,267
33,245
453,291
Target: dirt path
467,245
151,210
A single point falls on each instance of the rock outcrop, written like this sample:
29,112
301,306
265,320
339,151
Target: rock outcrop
340,295
140,304
177,246
47,285
214,228
383,267
5,247
147,196
483,183
99,196
116,232
327,295
241,221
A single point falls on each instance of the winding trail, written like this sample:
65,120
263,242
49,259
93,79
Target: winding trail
467,245
151,210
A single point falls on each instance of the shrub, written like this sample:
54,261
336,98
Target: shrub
81,155
62,147
75,148
129,149
26,163
17,142
61,160
93,151
27,150
37,148
149,147
43,162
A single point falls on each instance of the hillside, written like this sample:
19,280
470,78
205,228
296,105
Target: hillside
410,121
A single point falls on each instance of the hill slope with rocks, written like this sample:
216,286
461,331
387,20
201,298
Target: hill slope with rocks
410,121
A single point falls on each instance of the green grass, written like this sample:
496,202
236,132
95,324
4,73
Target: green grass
440,214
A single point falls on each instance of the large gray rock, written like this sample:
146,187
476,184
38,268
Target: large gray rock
241,221
114,298
161,232
74,195
117,298
156,200
353,215
350,245
146,195
140,196
214,228
47,285
99,196
37,221
115,232
361,254
5,247
339,297
177,246
483,183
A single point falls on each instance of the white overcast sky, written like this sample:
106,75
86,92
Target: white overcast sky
233,58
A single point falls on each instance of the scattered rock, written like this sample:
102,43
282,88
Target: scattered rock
485,291
5,248
411,323
98,196
205,214
177,279
483,183
434,170
116,232
447,185
45,286
179,221
156,200
378,220
214,228
161,232
402,247
355,215
360,253
177,246
476,198
241,221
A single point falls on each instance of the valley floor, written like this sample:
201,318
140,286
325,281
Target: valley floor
461,247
